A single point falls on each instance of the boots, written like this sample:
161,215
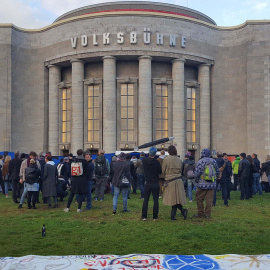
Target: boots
173,212
184,213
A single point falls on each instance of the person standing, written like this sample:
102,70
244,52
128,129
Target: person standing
256,175
79,180
134,181
152,169
161,176
140,174
90,167
244,171
121,170
25,164
14,168
189,171
102,171
206,173
49,182
221,180
228,175
6,175
32,179
235,168
174,193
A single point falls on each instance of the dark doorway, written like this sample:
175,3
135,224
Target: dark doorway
192,152
65,152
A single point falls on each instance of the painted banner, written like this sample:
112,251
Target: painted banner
137,261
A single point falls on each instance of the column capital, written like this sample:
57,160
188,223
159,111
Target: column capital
54,66
178,60
145,57
204,65
109,57
77,61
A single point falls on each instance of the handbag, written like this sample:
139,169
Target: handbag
124,182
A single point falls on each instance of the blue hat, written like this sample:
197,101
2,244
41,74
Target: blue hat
152,151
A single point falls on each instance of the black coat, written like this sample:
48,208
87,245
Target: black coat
79,184
14,168
120,168
244,169
266,167
152,169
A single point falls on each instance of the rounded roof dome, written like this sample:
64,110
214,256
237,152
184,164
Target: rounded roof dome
137,6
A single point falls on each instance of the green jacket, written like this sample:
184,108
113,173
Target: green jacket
235,165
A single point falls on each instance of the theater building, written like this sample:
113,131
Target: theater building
116,75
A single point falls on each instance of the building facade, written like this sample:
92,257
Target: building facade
116,75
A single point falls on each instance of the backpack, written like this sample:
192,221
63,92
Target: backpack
30,175
209,173
59,168
190,172
76,168
101,166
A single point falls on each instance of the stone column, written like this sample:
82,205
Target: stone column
109,104
77,115
145,110
179,127
53,129
205,120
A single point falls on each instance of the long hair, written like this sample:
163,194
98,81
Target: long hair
250,159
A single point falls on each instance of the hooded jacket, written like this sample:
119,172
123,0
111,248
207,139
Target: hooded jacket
152,169
235,165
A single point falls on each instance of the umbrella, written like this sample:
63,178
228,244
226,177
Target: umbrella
153,143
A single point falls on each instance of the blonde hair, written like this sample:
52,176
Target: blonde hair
267,157
32,161
7,158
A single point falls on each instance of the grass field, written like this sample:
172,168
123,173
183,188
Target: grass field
241,228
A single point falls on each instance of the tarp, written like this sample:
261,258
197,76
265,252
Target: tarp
137,261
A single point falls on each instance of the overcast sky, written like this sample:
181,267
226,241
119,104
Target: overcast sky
39,13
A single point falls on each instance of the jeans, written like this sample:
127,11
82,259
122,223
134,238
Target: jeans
256,183
8,185
24,194
154,189
89,197
224,193
140,183
189,184
117,191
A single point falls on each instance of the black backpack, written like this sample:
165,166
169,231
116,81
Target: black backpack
30,175
100,166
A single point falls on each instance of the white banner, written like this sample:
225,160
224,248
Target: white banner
137,261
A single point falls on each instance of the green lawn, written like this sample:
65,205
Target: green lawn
241,228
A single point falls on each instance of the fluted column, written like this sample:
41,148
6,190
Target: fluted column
77,115
179,131
145,123
204,81
109,104
53,133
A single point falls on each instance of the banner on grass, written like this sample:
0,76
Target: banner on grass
137,261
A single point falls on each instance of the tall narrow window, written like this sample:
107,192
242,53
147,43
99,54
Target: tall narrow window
93,113
161,111
191,115
127,112
66,115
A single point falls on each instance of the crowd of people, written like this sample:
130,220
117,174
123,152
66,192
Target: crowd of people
165,177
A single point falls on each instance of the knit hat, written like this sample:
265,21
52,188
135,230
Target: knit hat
205,153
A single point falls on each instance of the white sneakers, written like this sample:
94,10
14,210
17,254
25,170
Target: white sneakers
66,210
79,210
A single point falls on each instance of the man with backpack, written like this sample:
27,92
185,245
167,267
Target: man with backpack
206,173
189,170
102,171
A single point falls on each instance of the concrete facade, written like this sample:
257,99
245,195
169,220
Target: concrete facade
106,46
